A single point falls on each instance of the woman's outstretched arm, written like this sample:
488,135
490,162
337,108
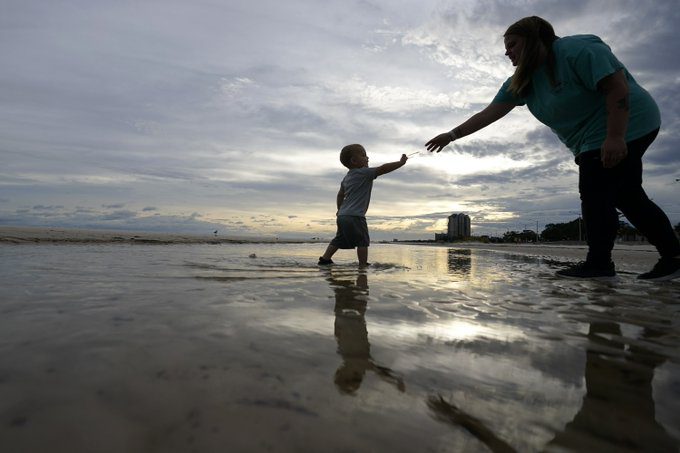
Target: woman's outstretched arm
493,112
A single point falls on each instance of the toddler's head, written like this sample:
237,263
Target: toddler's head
354,156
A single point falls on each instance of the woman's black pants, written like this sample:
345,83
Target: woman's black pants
603,190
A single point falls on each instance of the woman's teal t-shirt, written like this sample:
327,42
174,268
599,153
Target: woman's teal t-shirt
574,109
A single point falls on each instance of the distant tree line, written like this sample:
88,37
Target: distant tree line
572,231
569,231
520,236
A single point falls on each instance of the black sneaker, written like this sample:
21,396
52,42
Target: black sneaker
664,269
584,269
324,262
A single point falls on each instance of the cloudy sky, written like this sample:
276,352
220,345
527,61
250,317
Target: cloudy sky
220,114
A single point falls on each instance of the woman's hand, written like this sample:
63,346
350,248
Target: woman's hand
492,112
439,142
613,151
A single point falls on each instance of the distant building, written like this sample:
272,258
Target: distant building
459,226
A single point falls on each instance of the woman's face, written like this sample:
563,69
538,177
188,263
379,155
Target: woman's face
514,44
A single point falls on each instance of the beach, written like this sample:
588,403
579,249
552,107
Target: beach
173,343
21,235
625,253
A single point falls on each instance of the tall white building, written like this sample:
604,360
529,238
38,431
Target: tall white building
459,226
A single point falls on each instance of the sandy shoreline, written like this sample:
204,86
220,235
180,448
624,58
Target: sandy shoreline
643,255
22,235
627,254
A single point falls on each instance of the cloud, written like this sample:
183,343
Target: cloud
141,114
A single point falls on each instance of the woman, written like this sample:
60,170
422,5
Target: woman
577,87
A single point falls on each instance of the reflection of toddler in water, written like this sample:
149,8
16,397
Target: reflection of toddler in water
353,198
352,337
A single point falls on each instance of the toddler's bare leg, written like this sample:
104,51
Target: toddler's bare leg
362,254
330,251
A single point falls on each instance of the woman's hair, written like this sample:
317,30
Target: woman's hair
537,33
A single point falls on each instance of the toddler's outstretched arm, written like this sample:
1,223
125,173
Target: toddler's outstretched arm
386,168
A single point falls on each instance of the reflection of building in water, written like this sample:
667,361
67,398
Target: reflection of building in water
459,261
458,228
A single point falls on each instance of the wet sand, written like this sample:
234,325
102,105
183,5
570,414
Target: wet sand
181,347
624,253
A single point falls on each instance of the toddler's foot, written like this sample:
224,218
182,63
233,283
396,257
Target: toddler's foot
325,262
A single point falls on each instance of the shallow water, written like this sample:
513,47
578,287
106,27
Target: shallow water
252,347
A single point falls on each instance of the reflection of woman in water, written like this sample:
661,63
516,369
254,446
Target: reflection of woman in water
618,407
352,337
617,413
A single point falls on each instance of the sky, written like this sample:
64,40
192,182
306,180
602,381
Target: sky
222,115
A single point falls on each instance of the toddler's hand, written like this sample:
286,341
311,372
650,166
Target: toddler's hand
403,159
